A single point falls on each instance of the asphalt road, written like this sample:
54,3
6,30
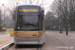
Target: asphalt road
54,41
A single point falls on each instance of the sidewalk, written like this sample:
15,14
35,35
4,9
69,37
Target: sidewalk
5,38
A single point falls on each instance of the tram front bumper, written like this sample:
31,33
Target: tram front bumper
27,41
34,43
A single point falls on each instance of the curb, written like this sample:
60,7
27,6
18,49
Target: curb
6,46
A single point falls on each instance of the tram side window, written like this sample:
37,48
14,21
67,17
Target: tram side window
19,19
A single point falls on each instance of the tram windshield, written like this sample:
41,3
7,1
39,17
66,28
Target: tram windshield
28,22
28,18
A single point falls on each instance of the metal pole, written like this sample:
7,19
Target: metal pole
4,17
58,20
16,4
4,13
60,28
66,19
4,20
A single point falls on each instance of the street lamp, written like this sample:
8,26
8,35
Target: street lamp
4,15
66,19
4,28
16,4
60,20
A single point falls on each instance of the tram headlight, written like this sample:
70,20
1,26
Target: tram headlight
41,33
18,27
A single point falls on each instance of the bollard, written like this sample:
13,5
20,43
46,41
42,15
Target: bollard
59,31
11,32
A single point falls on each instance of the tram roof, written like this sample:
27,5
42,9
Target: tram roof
28,4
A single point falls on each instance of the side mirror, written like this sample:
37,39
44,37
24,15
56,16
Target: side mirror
42,15
42,10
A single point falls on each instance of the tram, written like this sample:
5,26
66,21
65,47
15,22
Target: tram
29,24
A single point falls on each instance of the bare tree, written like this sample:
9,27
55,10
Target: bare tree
51,21
0,17
1,21
56,6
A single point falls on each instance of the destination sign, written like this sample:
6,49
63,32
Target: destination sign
28,10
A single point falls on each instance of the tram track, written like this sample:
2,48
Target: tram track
25,47
68,38
59,41
63,45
